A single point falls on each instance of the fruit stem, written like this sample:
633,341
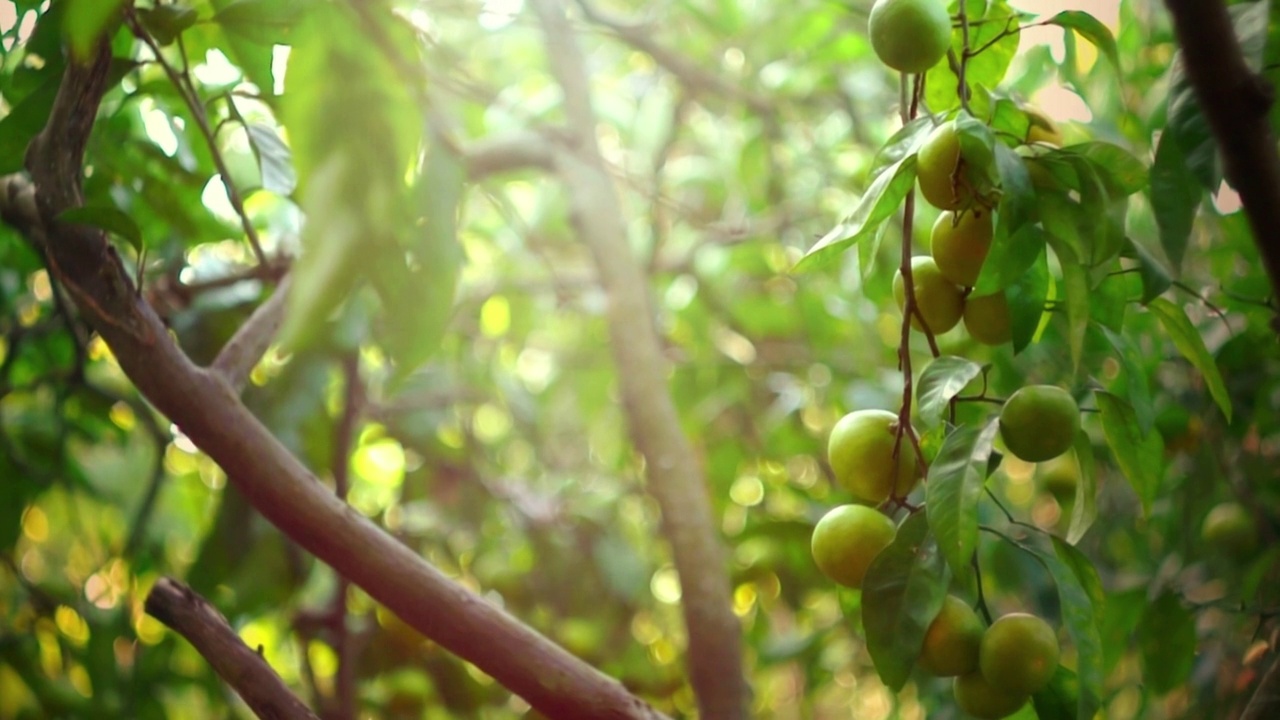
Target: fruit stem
982,598
962,89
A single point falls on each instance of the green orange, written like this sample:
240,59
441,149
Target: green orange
867,457
1039,422
1019,654
959,244
940,301
952,642
847,539
987,318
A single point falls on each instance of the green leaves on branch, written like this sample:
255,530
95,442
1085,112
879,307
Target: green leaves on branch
956,478
879,203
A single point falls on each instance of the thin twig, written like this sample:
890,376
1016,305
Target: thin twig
243,351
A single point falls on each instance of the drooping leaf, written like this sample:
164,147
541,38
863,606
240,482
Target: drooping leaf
1189,342
263,21
953,488
1174,198
1084,510
1010,258
1155,278
1122,174
274,159
1061,699
166,22
1091,29
1075,293
1026,296
1139,455
941,380
906,141
1080,617
1189,128
1167,638
88,20
901,594
1137,384
878,204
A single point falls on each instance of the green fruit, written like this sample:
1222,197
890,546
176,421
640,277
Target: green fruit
959,245
910,36
952,642
1230,528
940,170
1059,477
847,539
1019,654
987,319
940,301
978,698
1039,422
861,452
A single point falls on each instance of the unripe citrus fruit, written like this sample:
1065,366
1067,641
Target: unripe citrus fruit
959,245
1039,422
1019,654
976,697
1229,527
987,318
952,641
847,539
910,36
940,301
940,170
861,452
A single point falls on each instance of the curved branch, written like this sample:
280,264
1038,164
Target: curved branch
1236,101
675,479
208,410
192,617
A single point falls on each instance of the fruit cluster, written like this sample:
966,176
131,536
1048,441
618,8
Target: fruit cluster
876,459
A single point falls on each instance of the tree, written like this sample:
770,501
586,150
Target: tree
290,280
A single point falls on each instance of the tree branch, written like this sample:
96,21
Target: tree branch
192,617
675,478
1235,100
1265,702
243,351
209,412
507,154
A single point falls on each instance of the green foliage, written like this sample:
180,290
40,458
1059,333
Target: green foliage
764,164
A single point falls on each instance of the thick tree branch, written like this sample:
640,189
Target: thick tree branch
675,479
507,154
209,412
1236,101
192,617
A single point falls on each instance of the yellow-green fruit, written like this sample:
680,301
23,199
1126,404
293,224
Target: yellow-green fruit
1230,527
1059,477
952,641
978,698
959,244
987,319
847,539
940,301
861,452
1039,422
1019,654
940,171
910,36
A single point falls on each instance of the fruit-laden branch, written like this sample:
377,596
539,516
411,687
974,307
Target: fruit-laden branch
192,617
675,479
208,410
1236,101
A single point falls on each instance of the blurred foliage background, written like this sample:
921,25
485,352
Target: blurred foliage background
738,132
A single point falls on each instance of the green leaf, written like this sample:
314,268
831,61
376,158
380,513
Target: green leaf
989,23
1091,29
1140,455
1026,296
901,594
274,159
166,22
1081,619
1189,342
1075,292
1084,510
107,218
1018,197
333,240
1122,174
953,488
1174,198
1167,639
1251,21
1010,258
1136,383
905,142
878,204
942,380
1155,279
418,301
263,21
1189,128
88,20
978,147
